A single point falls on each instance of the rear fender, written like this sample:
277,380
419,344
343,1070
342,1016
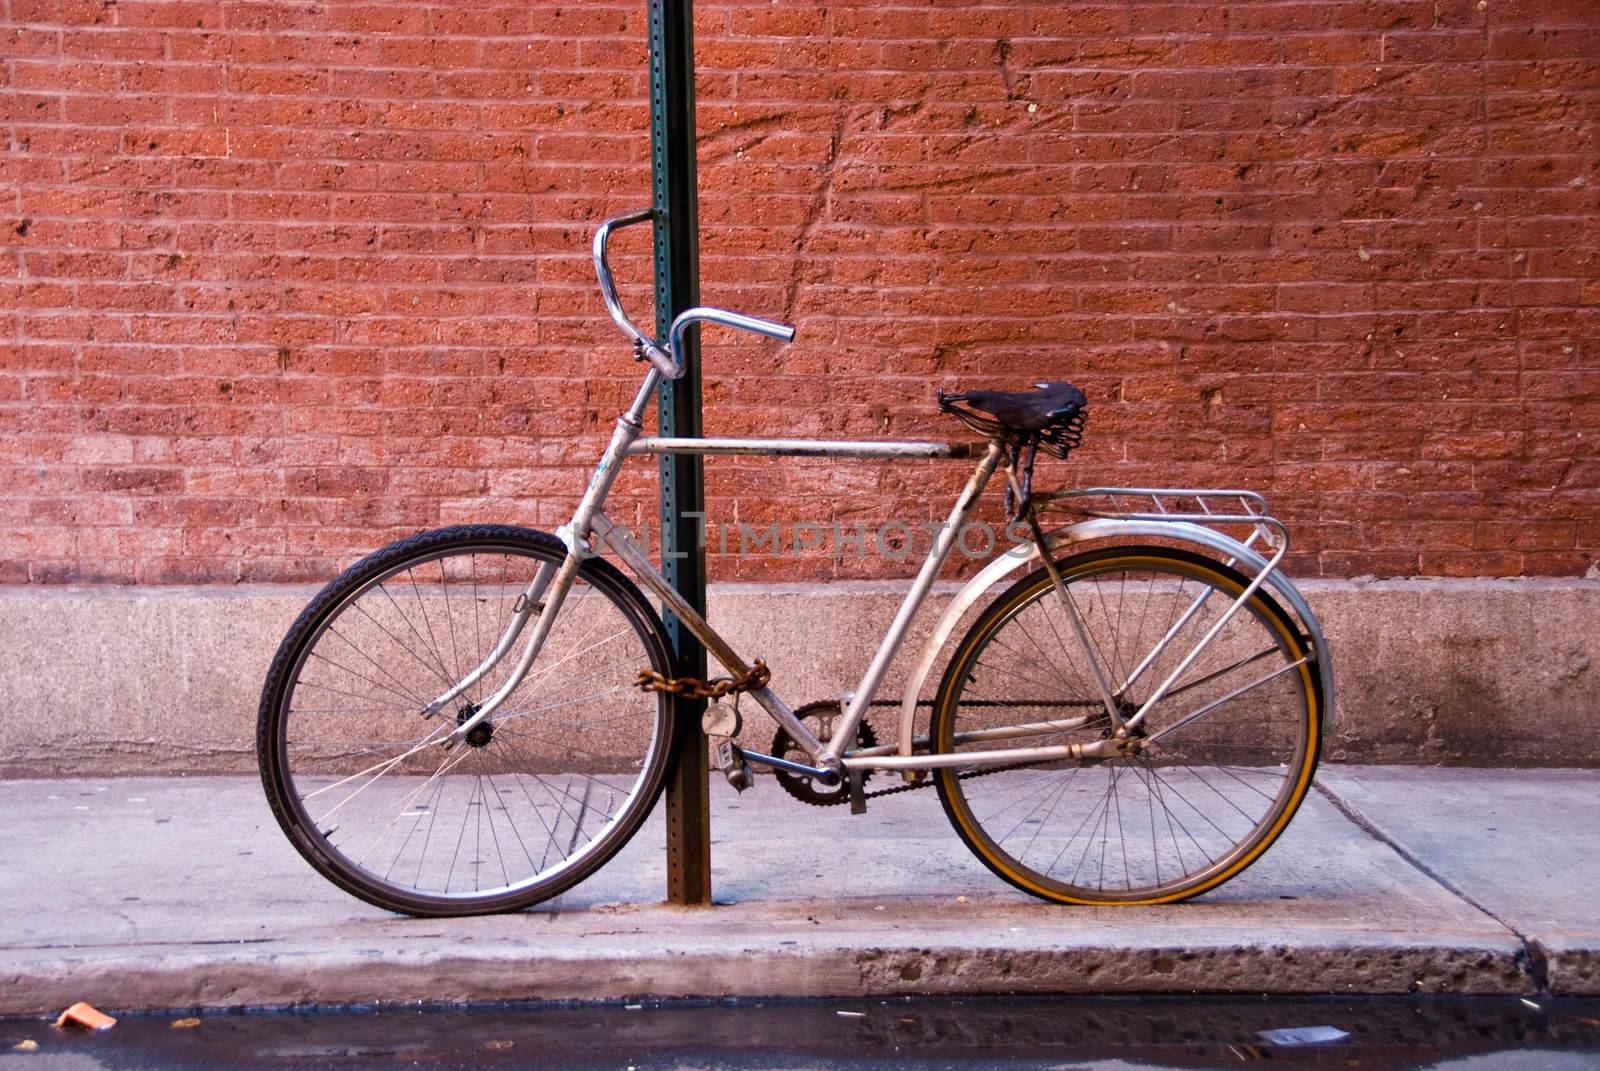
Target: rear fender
1027,554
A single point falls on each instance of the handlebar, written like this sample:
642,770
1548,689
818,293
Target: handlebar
706,314
608,290
666,360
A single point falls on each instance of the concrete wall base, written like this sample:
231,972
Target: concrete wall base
112,681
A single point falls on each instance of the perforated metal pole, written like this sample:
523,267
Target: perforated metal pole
672,149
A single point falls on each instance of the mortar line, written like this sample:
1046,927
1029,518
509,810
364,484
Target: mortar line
1533,957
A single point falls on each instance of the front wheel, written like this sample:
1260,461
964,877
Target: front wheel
1224,759
535,799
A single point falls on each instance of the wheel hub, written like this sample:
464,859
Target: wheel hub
480,734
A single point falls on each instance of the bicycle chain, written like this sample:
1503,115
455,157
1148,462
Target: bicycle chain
912,786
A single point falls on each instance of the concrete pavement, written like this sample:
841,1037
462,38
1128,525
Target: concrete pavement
182,892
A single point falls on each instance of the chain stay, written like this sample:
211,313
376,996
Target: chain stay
757,676
927,782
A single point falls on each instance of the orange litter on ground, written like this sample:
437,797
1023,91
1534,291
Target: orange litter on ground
87,1016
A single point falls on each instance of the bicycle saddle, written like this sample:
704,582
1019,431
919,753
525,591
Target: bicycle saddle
1024,410
1050,416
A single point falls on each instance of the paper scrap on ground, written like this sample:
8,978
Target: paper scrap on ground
1303,1035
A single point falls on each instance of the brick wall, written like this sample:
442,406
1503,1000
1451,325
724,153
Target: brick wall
281,281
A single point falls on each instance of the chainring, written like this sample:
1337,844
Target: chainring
819,718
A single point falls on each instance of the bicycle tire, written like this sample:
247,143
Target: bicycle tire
358,665
1269,734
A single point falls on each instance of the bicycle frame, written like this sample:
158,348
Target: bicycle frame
548,589
550,672
544,595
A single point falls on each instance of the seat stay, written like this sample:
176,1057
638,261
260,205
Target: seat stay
1113,712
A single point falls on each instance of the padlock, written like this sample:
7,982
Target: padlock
720,719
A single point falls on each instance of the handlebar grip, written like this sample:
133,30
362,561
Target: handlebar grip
770,328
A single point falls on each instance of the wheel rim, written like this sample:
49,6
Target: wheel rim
514,814
1203,801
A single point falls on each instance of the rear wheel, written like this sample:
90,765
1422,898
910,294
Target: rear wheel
1225,758
536,798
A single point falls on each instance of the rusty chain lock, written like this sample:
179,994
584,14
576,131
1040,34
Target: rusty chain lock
720,722
755,677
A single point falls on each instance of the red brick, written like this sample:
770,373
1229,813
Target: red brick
243,315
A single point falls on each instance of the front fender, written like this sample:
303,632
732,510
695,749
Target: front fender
1015,558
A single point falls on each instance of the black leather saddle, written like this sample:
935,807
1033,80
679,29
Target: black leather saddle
1022,410
1051,417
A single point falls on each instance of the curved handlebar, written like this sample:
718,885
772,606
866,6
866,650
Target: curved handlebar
705,314
608,290
666,360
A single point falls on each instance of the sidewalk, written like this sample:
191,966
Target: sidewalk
177,893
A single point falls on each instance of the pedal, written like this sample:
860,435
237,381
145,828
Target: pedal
726,757
739,776
853,776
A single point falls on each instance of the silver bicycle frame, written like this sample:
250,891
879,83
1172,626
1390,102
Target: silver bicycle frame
545,594
542,598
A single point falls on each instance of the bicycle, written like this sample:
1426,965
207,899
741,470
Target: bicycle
1133,720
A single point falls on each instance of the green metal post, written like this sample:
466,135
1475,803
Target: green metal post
672,151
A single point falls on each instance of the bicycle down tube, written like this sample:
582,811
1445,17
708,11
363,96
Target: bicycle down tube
827,754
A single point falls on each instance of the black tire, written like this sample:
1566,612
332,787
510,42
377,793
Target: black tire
349,763
1213,792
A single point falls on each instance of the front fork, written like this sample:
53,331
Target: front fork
547,604
528,603
548,589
